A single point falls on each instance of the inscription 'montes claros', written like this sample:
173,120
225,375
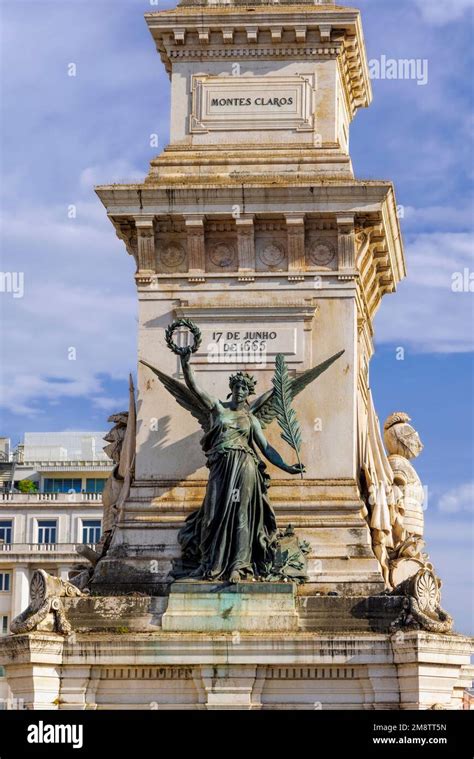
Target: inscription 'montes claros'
258,101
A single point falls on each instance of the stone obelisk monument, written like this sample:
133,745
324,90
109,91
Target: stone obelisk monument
251,225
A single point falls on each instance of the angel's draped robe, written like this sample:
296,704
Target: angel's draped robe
235,527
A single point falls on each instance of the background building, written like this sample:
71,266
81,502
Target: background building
42,529
57,462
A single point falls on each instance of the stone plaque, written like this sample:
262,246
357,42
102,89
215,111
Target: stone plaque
252,102
247,343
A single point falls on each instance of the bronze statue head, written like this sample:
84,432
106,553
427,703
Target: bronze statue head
242,385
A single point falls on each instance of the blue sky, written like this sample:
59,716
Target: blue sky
62,134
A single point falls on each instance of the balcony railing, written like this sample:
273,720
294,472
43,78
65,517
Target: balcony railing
42,547
54,497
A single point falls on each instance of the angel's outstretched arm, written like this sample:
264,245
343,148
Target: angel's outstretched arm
190,379
270,453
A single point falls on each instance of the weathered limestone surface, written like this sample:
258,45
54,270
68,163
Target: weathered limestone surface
250,222
238,670
206,606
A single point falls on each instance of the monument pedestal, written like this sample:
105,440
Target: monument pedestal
207,606
251,225
112,666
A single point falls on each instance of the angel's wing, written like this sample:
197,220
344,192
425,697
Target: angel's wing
184,396
263,407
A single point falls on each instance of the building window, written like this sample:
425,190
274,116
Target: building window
5,582
91,530
54,485
2,671
6,526
95,485
47,531
4,625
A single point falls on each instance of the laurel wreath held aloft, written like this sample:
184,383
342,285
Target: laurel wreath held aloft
193,328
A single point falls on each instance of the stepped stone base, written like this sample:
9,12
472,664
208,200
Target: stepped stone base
247,646
238,670
152,613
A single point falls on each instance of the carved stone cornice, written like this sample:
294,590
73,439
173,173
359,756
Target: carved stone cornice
244,51
378,271
322,31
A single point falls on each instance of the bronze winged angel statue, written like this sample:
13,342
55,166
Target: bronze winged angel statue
232,536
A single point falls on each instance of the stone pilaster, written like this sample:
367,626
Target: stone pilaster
346,242
196,248
146,244
295,231
246,243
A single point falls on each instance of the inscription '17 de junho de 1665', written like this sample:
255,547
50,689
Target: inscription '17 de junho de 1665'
216,336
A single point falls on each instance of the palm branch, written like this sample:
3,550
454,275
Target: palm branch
282,399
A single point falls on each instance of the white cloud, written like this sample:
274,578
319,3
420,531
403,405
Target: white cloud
112,172
110,404
78,293
456,218
39,333
458,499
425,313
443,11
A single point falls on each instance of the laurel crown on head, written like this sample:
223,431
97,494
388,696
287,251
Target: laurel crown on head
247,379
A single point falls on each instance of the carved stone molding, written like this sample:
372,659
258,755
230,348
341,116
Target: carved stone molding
222,254
321,243
170,226
235,102
172,255
270,225
220,226
272,254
